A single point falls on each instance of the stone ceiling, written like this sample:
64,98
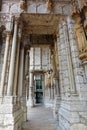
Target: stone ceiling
40,23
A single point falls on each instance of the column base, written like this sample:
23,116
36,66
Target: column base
11,115
30,103
56,107
73,115
24,108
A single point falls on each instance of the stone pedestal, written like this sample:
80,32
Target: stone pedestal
73,114
11,116
73,106
24,108
56,107
31,98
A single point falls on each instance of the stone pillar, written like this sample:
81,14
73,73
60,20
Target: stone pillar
57,92
31,90
17,64
72,109
61,59
27,73
21,73
70,78
12,62
5,62
25,84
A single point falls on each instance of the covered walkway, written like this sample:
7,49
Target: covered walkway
40,118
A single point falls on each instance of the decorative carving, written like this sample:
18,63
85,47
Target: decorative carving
2,28
83,3
79,14
81,38
49,5
85,14
75,7
82,42
23,5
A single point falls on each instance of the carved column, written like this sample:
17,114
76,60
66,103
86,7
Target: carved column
5,62
12,62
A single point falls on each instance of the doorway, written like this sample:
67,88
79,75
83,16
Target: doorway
38,89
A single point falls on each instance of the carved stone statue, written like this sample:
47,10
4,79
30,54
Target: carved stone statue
49,5
23,5
75,7
81,38
83,3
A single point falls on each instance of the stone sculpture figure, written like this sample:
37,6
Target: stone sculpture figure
49,5
81,38
23,5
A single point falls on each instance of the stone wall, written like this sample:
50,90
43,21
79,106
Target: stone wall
72,112
41,6
40,58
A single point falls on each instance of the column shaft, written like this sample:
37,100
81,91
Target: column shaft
31,93
21,72
5,62
12,63
69,60
17,67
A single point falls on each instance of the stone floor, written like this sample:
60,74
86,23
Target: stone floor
40,118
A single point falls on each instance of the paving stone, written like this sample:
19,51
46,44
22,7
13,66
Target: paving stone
40,118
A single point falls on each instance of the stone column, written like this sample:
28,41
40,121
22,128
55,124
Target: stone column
70,78
21,73
61,58
5,62
17,64
12,62
31,89
25,84
27,72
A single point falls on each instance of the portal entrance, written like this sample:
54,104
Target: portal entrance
38,93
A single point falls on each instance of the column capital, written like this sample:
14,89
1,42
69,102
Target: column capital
8,35
16,19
